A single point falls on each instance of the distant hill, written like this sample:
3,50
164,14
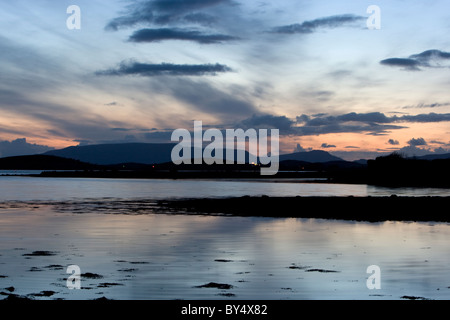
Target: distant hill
315,156
361,161
151,153
43,162
123,153
320,166
396,170
107,154
434,156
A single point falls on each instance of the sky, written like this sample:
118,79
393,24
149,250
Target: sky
136,70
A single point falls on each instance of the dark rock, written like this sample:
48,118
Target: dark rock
223,286
89,275
39,254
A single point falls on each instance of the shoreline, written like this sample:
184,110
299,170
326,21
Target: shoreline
346,208
370,209
248,177
346,177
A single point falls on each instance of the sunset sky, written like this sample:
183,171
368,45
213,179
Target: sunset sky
137,70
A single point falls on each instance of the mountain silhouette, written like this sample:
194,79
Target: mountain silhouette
107,154
314,156
434,156
152,153
43,162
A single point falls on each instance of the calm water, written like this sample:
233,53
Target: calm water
161,256
27,188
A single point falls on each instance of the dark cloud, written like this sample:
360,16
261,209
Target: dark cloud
121,129
373,123
393,142
326,146
323,124
409,64
438,142
323,119
423,118
164,69
200,18
166,11
311,26
20,147
156,35
428,56
426,59
267,121
382,133
372,117
430,105
417,142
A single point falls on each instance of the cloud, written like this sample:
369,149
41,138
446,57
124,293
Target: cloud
430,105
200,18
438,142
413,151
156,35
417,142
121,129
166,11
299,148
312,26
424,118
393,142
164,69
408,64
441,150
373,123
225,103
267,121
326,146
111,104
426,59
20,147
431,57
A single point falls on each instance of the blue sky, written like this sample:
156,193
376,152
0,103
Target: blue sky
137,70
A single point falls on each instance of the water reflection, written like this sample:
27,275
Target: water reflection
159,256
